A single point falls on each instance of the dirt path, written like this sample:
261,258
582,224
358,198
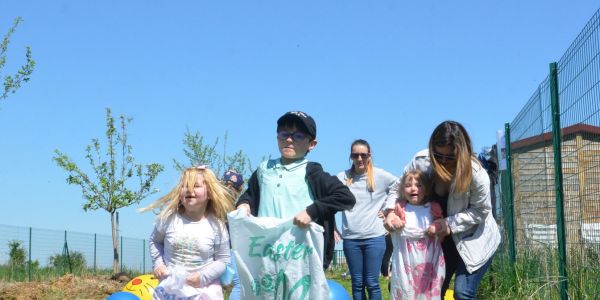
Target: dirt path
65,287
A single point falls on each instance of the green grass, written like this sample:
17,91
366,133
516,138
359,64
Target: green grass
20,274
535,276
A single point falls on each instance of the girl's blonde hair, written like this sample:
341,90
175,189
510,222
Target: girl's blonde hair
220,198
453,134
421,177
370,175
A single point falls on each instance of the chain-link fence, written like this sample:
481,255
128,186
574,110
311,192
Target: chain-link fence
38,250
551,211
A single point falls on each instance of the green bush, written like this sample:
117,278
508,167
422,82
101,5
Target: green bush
74,261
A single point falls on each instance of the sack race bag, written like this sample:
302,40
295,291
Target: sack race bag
276,259
418,266
174,287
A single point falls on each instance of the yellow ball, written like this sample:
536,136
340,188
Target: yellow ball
142,286
449,295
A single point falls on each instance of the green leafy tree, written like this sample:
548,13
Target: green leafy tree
198,152
108,186
13,82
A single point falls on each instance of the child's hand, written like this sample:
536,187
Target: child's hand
245,207
392,222
193,279
161,272
302,219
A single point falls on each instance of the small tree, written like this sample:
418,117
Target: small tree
198,152
16,254
13,82
107,188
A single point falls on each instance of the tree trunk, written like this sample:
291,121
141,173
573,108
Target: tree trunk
115,239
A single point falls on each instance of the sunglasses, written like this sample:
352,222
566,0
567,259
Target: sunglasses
296,136
361,155
443,157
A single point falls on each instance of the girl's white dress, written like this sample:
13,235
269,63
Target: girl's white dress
418,267
186,246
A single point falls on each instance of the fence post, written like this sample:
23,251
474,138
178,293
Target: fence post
29,262
558,180
509,205
66,253
144,256
95,253
121,256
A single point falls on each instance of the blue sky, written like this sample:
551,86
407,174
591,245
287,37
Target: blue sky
385,71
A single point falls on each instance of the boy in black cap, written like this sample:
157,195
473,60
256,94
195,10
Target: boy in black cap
290,186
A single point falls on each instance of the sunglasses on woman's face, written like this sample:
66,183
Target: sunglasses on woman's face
443,157
361,155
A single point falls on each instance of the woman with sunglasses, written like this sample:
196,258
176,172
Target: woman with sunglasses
362,228
462,188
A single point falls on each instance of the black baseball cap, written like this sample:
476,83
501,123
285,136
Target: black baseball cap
304,118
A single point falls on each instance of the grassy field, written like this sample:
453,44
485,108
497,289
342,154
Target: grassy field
533,276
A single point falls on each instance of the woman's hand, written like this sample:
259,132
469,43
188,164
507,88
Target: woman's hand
336,236
193,279
161,272
439,228
392,222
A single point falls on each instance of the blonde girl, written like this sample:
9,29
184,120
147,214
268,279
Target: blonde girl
190,232
418,267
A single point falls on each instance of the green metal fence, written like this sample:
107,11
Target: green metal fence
45,248
42,246
551,189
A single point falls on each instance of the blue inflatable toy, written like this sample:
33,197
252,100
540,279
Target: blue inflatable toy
123,296
337,291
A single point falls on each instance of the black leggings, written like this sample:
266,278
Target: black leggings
385,263
452,258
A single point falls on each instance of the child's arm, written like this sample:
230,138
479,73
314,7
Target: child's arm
250,199
335,196
157,247
396,218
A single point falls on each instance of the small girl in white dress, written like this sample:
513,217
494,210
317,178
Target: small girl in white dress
418,267
190,244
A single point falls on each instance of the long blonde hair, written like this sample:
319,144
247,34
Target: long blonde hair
452,133
370,175
220,198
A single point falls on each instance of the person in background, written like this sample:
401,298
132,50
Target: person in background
234,181
362,228
462,187
387,255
